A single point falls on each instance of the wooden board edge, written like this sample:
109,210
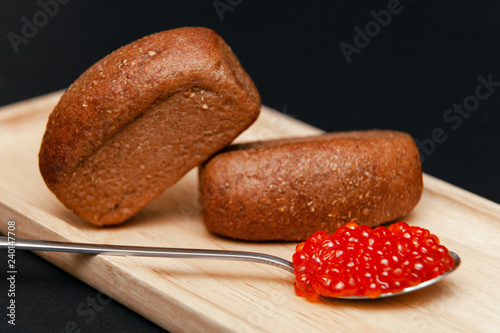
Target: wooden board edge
461,196
27,107
289,120
31,218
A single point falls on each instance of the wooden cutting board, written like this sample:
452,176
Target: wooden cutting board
215,296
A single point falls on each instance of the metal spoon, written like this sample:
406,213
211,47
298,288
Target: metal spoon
118,250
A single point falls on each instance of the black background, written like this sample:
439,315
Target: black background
426,59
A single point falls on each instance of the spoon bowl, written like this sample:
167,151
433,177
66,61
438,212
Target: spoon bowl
183,253
421,285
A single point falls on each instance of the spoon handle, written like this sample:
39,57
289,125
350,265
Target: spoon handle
119,250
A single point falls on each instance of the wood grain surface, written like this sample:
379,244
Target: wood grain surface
214,296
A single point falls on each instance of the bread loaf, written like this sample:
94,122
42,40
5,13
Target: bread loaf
139,119
288,189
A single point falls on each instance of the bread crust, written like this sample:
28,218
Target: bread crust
288,189
139,119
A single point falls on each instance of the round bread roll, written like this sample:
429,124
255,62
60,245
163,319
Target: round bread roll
288,189
139,119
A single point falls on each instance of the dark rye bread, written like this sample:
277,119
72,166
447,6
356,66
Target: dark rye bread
139,119
288,189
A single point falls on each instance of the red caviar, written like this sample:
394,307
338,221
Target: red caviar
360,261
